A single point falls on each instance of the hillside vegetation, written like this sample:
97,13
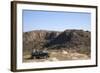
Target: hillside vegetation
65,45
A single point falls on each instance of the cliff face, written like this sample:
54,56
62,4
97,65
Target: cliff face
41,39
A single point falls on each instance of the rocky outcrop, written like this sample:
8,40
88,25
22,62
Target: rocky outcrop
41,39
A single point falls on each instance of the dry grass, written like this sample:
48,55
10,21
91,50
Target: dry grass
58,55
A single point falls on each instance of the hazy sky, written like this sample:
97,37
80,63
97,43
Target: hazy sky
57,21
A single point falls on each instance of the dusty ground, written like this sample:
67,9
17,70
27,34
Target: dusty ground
58,55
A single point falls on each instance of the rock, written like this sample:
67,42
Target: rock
64,52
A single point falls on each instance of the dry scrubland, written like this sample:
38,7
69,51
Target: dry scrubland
58,55
66,45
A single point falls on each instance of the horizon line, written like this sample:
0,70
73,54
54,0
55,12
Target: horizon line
55,30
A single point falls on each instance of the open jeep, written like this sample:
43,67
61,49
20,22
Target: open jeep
37,54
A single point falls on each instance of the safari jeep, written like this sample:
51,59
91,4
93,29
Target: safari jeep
37,54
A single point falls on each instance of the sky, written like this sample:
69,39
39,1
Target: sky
56,21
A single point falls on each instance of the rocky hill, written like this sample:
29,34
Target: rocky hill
78,40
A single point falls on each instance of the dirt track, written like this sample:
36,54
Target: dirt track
58,56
